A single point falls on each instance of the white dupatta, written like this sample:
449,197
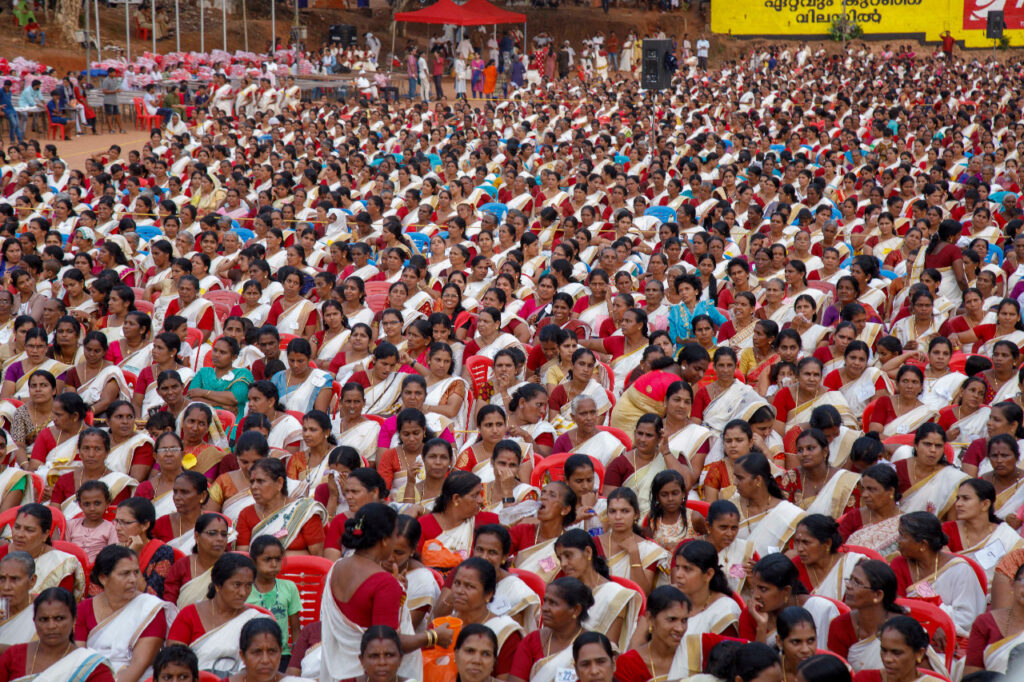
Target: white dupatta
120,457
194,591
831,500
332,347
195,310
908,422
295,319
362,437
770,530
92,390
688,440
116,635
719,615
602,446
860,392
557,666
997,654
19,628
302,397
935,493
611,601
833,585
286,523
939,393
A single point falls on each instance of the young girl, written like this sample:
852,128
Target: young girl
280,597
91,531
666,521
781,375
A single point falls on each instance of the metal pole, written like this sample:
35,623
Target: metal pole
391,60
152,6
177,25
99,39
245,26
224,23
202,26
273,26
88,44
127,33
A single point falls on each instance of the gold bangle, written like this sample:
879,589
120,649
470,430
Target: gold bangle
636,565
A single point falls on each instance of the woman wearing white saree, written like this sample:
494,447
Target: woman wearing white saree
545,655
925,570
131,452
917,330
626,351
382,384
794,404
360,593
859,383
489,338
669,643
55,657
355,430
637,468
580,381
122,623
134,347
302,387
585,438
814,484
260,644
977,532
99,381
164,358
17,573
291,313
54,568
768,521
17,372
776,585
627,553
616,608
1002,379
93,448
197,311
941,384
726,398
212,627
697,571
329,341
871,590
903,412
824,570
298,524
527,419
997,633
805,322
1005,476
534,543
189,494
966,419
285,430
928,481
188,580
1008,327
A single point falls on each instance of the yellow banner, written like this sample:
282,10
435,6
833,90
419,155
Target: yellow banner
927,19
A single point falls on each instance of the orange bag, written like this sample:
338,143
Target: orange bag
439,662
436,555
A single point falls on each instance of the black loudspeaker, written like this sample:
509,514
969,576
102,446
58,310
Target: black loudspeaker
654,75
342,34
994,25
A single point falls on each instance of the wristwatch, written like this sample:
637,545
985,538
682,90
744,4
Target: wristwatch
508,500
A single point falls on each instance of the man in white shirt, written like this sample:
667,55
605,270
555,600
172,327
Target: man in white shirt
702,52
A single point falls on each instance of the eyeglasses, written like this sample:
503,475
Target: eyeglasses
215,533
123,522
167,451
853,582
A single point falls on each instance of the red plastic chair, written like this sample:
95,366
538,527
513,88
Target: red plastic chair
868,409
843,608
532,580
866,551
144,306
979,572
309,573
789,440
130,379
286,339
478,367
908,439
699,506
53,128
194,337
376,417
610,374
581,329
227,420
57,531
226,296
933,619
552,465
626,582
76,551
623,437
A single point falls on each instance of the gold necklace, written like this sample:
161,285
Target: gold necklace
32,665
551,636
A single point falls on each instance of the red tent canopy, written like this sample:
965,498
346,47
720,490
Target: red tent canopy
473,13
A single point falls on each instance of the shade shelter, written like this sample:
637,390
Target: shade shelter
471,13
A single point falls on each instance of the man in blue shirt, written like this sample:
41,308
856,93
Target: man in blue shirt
31,96
7,104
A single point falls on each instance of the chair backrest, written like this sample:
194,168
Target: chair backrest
309,573
979,572
608,372
932,619
227,420
623,437
75,551
626,582
866,551
554,466
532,580
478,367
699,506
58,530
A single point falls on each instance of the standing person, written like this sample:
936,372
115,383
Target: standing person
564,58
424,74
438,73
490,79
947,45
111,86
613,51
411,69
702,51
7,104
461,76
